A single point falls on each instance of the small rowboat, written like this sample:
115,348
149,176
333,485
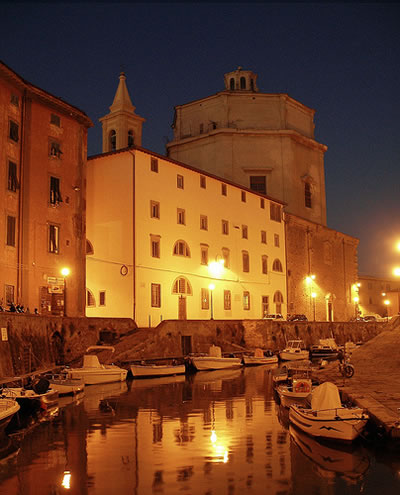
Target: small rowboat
156,370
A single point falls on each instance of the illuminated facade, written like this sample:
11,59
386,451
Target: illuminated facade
43,148
262,141
374,291
160,233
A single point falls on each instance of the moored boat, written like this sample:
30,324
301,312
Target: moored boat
327,418
294,351
297,392
65,385
93,372
325,349
214,360
156,370
260,357
8,407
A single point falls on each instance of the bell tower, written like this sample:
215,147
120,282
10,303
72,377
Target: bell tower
121,127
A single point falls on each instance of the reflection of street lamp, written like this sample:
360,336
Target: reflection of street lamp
313,295
65,272
211,287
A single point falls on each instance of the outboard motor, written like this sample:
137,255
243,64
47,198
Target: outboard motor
41,385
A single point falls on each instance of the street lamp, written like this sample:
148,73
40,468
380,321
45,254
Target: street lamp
211,287
309,281
65,272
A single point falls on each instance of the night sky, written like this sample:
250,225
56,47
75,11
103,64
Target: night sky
340,59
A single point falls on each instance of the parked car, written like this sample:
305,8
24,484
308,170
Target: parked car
297,318
277,316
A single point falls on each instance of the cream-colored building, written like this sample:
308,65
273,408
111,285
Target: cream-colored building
168,241
262,141
374,291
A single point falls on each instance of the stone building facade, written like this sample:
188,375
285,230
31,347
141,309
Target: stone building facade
43,150
374,291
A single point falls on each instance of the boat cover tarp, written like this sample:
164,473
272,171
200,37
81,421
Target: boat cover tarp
258,353
215,351
325,396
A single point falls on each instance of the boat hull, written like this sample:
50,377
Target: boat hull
96,376
337,424
203,363
149,370
297,355
256,361
8,408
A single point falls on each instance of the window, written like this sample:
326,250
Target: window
12,184
258,183
201,128
182,286
131,140
54,234
223,190
275,212
15,100
112,140
155,295
202,181
243,197
203,222
155,246
246,300
55,195
180,216
204,254
14,131
90,300
262,203
55,149
227,300
264,264
276,240
263,237
55,119
232,84
154,164
11,221
245,233
102,298
205,299
242,83
225,227
278,300
154,209
264,305
181,249
179,181
307,195
245,261
277,266
226,256
9,293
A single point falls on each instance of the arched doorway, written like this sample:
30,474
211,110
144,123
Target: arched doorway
182,287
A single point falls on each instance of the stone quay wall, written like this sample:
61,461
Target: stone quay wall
31,342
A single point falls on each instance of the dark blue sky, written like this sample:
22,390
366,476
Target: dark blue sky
340,59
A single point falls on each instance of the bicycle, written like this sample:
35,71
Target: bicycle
346,368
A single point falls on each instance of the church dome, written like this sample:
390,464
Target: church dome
241,80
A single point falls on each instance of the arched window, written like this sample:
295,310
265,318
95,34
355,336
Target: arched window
252,84
181,249
278,300
130,138
182,286
277,266
307,195
90,300
232,84
113,140
242,83
89,247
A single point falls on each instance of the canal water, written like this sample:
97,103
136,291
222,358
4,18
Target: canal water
211,433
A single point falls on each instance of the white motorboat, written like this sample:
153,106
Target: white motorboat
156,370
294,351
327,418
260,357
297,392
214,360
8,407
93,372
325,349
65,385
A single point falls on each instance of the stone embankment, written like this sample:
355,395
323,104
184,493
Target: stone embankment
375,385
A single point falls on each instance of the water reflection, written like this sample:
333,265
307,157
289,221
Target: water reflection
210,433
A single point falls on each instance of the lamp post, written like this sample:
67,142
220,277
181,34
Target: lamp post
386,302
65,272
313,295
211,287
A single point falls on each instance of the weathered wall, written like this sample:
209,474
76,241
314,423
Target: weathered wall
36,342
